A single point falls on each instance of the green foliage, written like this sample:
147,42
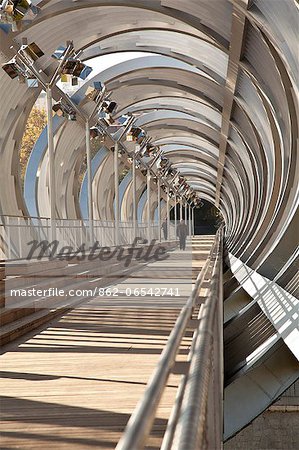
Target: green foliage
36,122
123,173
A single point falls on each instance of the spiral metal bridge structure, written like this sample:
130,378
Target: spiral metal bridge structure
218,93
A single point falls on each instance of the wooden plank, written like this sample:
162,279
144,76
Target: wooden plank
74,384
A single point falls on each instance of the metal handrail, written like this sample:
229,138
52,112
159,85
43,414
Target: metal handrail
23,217
172,426
191,426
140,423
17,231
99,221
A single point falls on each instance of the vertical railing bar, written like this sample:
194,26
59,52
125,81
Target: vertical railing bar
20,238
9,237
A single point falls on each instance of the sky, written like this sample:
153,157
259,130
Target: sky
101,63
104,62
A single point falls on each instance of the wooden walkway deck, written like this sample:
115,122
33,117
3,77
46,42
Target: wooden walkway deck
74,384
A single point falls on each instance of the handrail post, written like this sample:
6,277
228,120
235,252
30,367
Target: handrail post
148,177
175,217
8,238
193,221
116,199
89,183
159,208
51,150
20,238
134,198
168,215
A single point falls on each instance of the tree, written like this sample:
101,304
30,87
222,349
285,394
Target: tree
95,146
123,173
36,122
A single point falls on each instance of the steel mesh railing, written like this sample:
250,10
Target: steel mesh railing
16,232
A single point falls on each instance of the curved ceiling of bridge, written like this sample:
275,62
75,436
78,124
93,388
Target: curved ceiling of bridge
221,99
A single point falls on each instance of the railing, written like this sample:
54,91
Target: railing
16,232
196,418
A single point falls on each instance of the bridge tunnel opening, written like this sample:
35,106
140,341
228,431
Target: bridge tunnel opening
207,218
